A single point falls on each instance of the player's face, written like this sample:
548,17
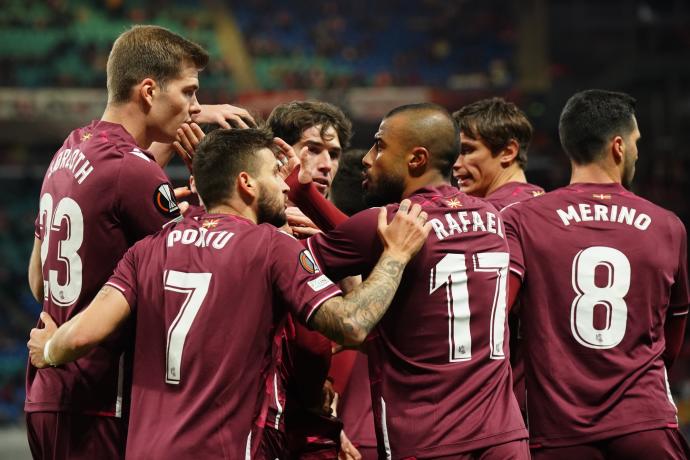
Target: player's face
630,157
272,199
175,104
476,168
384,165
324,151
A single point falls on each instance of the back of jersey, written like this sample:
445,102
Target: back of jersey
441,382
601,268
207,295
99,195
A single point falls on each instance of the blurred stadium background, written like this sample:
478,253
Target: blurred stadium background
366,57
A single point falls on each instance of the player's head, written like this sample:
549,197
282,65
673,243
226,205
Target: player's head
598,126
346,191
415,145
159,70
239,168
320,127
494,136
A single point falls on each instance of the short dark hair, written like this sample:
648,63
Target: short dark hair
289,120
148,52
346,189
496,122
439,135
590,118
221,156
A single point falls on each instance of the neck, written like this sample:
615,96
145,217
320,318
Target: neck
512,173
594,173
429,179
235,209
132,119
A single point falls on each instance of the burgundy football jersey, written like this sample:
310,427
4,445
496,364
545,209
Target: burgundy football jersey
513,192
441,384
207,296
601,269
354,406
100,195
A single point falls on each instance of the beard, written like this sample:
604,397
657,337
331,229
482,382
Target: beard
270,209
628,174
384,190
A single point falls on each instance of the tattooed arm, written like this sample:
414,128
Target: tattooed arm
348,320
108,310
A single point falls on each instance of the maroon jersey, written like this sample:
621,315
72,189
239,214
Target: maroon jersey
601,268
354,406
440,382
100,195
207,296
513,192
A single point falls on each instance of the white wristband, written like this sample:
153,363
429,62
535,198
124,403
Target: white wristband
46,354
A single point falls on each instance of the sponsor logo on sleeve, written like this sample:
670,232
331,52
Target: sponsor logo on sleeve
308,263
164,200
320,283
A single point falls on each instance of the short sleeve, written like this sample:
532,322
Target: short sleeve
297,277
124,279
351,248
680,294
146,199
511,224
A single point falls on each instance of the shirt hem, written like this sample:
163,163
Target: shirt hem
565,441
466,446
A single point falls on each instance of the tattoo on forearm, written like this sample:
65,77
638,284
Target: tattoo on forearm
358,312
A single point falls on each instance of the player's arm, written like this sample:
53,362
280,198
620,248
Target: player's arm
674,332
36,271
52,346
348,320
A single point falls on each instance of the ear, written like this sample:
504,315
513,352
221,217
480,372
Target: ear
247,186
618,149
147,89
509,153
419,157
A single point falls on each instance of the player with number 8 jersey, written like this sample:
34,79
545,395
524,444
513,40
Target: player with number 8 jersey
604,274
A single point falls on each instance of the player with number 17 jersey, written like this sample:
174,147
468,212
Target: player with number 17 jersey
441,381
601,269
208,295
100,195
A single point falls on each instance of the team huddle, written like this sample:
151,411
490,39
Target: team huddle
282,317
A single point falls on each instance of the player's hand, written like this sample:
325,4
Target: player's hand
226,115
300,225
180,194
347,450
286,157
329,399
38,338
406,233
187,140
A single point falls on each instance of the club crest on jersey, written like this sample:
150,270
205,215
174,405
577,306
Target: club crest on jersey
164,200
537,193
308,263
453,203
210,223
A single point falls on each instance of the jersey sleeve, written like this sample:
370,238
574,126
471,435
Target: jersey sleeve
124,278
314,205
680,294
146,201
352,248
511,223
297,277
